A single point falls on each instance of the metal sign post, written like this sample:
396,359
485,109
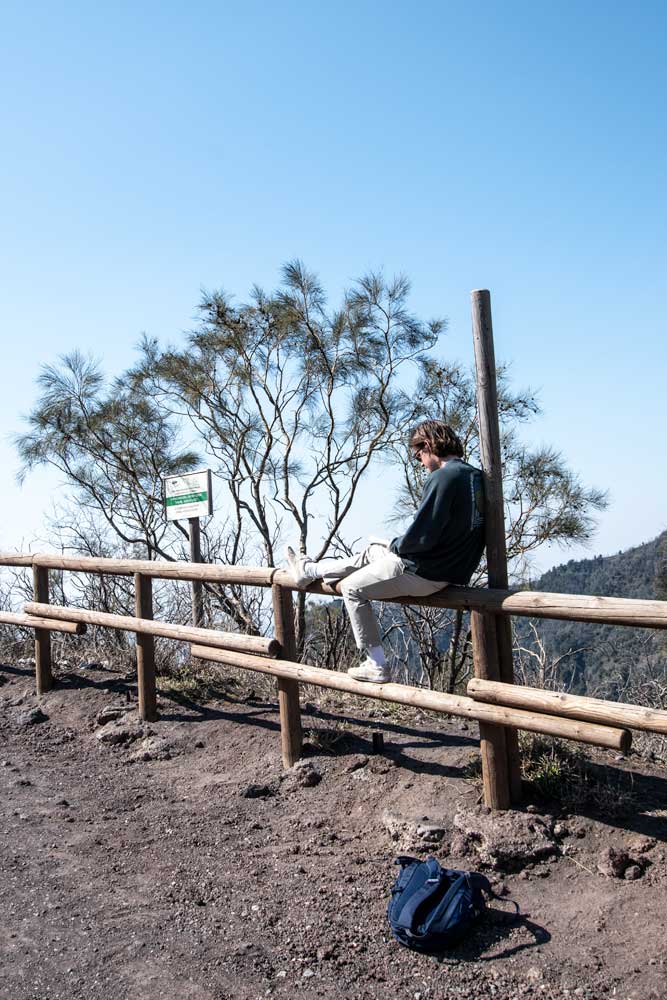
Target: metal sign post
197,589
190,496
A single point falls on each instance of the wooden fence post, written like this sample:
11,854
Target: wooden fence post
43,674
291,737
143,604
493,742
496,551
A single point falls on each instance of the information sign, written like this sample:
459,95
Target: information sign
188,495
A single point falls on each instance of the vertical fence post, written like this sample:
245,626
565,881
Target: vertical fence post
197,586
496,551
493,743
143,604
43,674
288,691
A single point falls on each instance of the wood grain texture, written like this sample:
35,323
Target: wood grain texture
436,701
291,733
253,576
569,706
185,633
33,621
143,604
493,743
492,468
43,673
15,559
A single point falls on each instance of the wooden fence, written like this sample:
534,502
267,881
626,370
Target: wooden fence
493,704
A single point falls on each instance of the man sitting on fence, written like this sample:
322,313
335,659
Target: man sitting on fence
443,545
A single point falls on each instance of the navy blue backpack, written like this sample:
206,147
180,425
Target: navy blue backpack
431,907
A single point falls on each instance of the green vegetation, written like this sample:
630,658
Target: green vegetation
562,772
606,661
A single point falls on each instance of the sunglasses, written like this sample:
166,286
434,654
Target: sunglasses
417,450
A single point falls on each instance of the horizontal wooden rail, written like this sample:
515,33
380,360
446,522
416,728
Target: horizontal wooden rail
15,559
251,576
569,706
402,694
524,603
145,626
31,621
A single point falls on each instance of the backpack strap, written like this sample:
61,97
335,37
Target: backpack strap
451,899
482,883
478,881
430,887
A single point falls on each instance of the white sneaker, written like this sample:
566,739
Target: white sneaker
301,567
369,670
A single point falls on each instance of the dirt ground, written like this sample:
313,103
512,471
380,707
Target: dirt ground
182,862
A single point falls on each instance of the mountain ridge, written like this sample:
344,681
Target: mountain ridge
600,658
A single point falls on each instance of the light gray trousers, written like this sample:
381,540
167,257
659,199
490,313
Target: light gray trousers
371,575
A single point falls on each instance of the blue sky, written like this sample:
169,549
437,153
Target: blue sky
152,149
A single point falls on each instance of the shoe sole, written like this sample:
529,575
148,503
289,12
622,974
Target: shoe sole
369,680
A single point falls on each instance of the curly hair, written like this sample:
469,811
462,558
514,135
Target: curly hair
439,436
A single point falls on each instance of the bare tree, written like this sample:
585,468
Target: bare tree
113,445
293,401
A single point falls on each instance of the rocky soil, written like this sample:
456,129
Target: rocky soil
178,859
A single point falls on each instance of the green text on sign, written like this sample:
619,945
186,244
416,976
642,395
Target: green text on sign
187,498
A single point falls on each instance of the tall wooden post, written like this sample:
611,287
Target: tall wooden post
496,551
43,674
493,743
143,604
197,587
291,737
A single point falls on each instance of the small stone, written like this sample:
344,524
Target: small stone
111,737
257,791
382,765
640,844
431,832
152,748
355,763
304,774
307,974
32,718
323,954
613,862
632,873
110,714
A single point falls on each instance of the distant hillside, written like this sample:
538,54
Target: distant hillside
607,653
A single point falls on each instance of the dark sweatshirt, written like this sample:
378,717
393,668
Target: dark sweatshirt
446,539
